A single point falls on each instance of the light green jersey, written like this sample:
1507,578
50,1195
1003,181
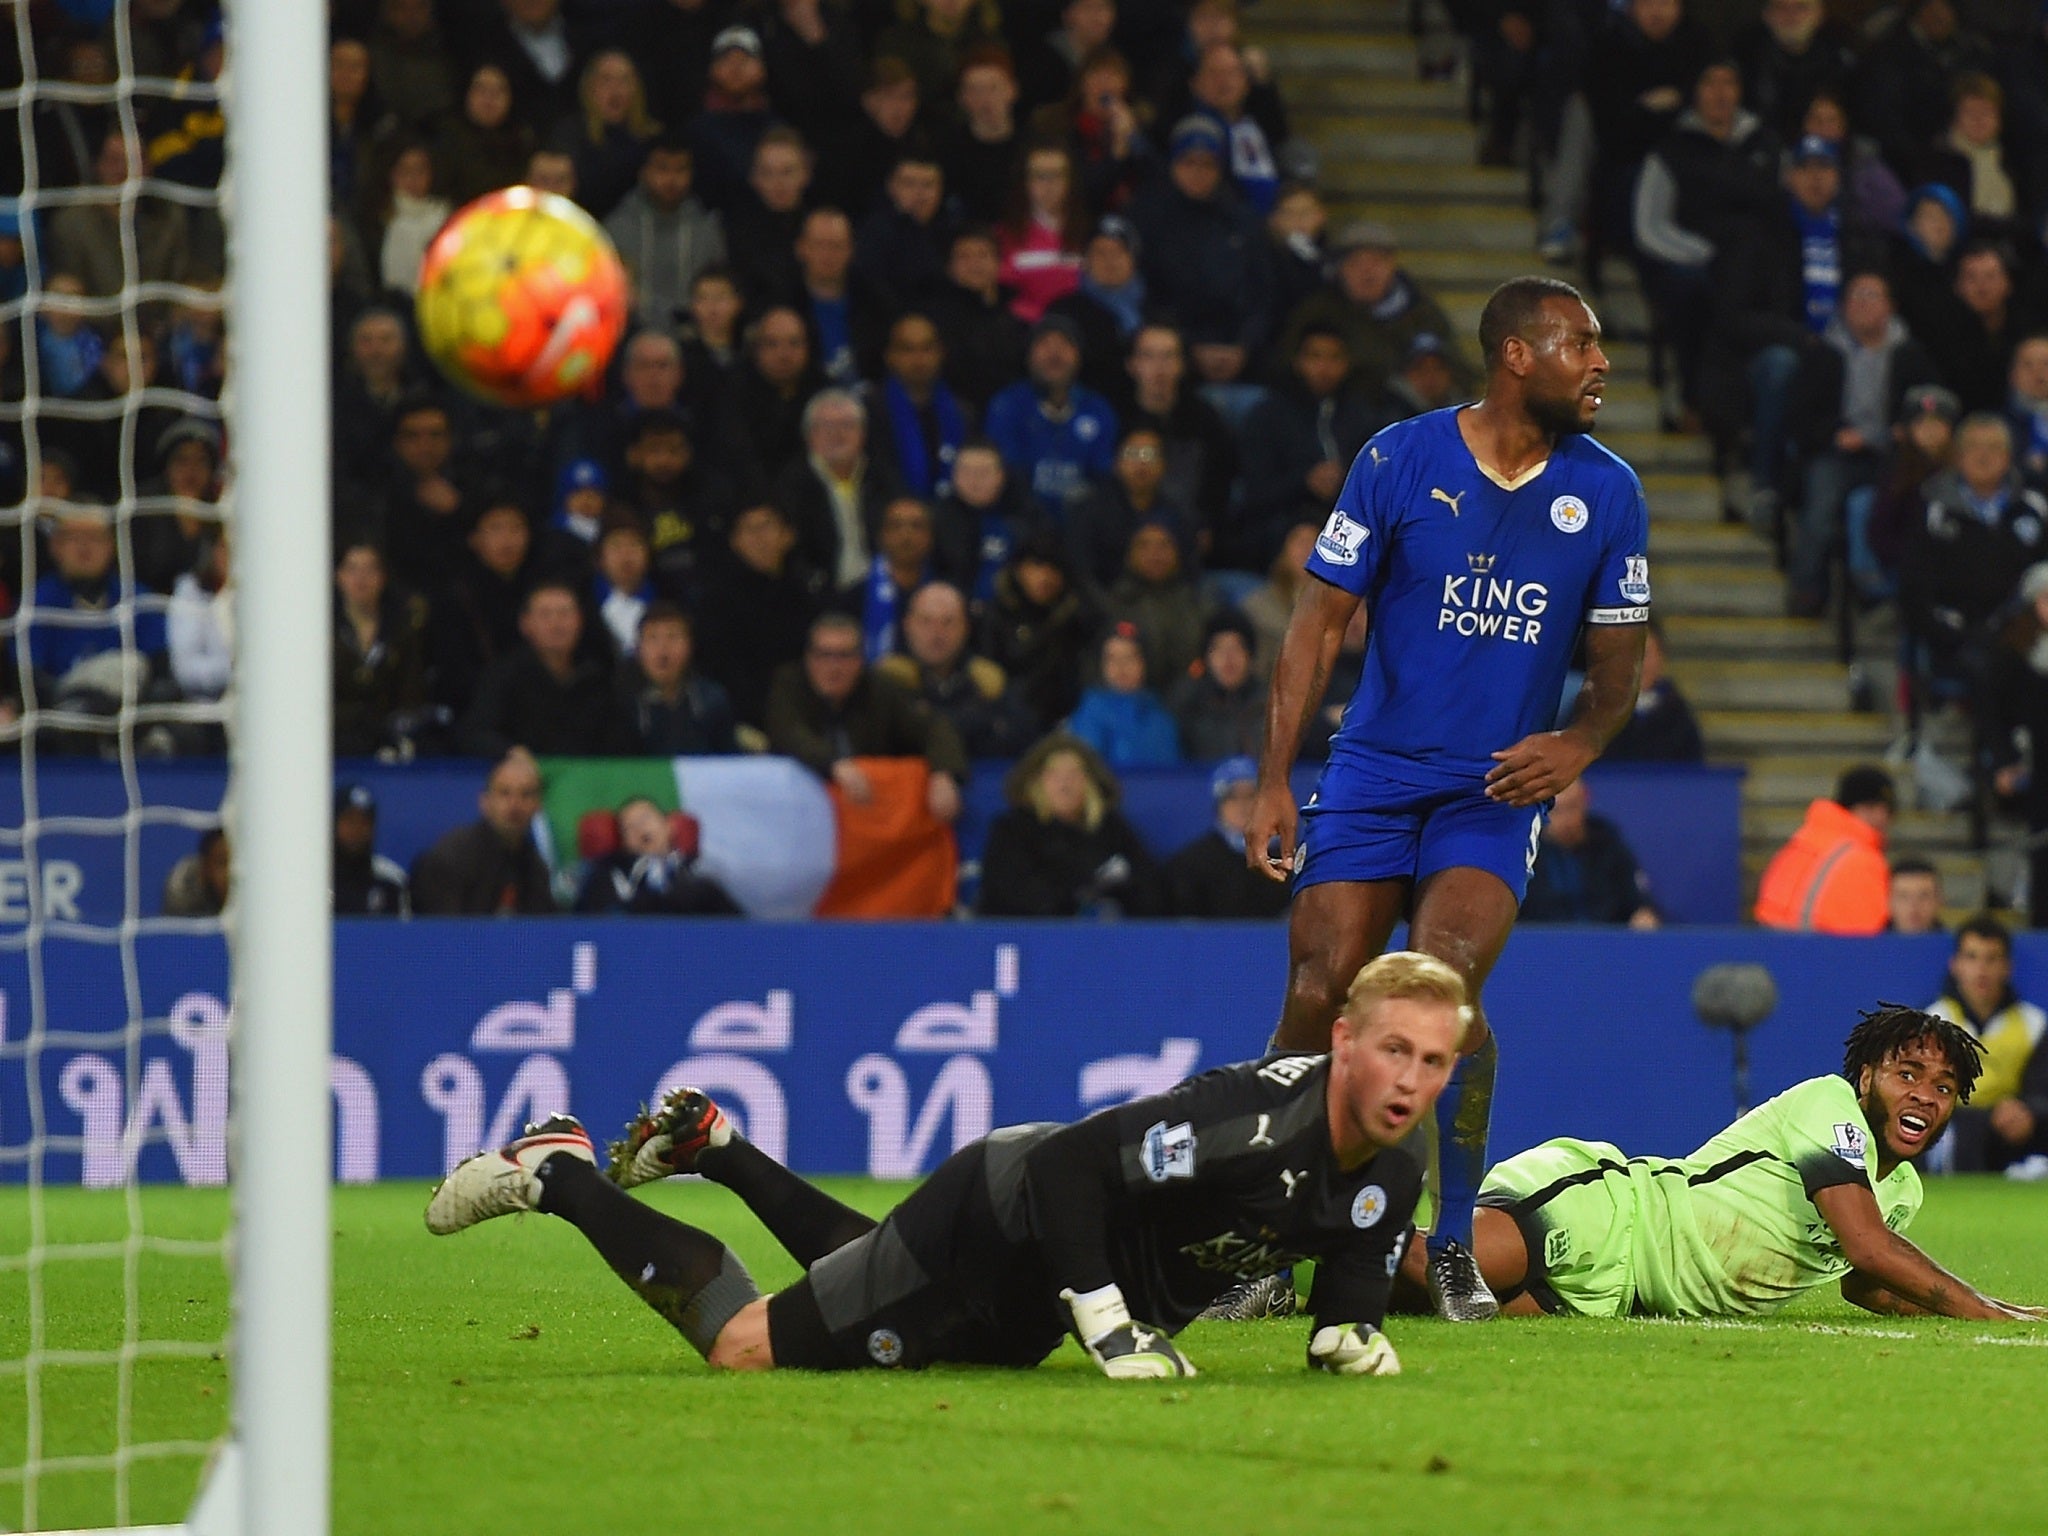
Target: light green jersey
1730,1230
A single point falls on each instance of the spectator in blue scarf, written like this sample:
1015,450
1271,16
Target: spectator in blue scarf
1110,276
901,564
1814,180
917,423
1109,306
981,522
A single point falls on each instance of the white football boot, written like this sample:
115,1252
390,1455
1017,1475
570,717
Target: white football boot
667,1139
506,1180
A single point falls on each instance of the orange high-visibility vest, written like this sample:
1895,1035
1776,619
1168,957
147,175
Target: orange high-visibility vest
1831,877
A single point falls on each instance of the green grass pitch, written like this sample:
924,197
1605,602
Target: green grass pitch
502,1381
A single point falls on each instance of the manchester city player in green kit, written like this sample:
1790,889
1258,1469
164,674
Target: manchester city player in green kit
1813,1186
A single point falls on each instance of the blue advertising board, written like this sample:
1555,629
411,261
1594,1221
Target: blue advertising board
862,1048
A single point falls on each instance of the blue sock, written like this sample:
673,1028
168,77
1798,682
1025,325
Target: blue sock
1463,1112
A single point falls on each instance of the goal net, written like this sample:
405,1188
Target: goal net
152,634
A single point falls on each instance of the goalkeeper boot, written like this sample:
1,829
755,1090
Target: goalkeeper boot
1249,1300
506,1180
1457,1290
667,1139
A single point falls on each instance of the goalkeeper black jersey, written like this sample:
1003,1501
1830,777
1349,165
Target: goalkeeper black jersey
1226,1177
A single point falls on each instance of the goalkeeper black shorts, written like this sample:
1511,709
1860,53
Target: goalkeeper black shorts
936,1281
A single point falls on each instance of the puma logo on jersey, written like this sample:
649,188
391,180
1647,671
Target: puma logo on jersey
1438,493
1259,1136
1378,458
1290,1178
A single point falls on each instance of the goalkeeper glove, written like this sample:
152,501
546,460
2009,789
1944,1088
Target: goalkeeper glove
1353,1349
1125,1350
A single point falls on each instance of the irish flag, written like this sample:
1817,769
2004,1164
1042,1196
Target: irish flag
782,842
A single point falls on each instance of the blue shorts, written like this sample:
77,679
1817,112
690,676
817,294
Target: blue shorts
1410,834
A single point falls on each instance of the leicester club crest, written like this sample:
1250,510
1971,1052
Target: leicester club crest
1569,513
1368,1206
885,1347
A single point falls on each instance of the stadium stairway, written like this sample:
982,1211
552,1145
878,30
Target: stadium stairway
1770,691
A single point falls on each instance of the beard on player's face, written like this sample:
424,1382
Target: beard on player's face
1876,1116
1561,414
1880,1110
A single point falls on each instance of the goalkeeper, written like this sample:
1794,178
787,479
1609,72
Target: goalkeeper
1812,1187
1118,1229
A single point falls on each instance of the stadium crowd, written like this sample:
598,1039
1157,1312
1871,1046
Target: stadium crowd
1005,334
990,370
1839,213
993,365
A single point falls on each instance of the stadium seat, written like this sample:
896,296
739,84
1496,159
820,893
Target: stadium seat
597,834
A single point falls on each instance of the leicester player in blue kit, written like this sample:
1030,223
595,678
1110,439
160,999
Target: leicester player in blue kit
1481,539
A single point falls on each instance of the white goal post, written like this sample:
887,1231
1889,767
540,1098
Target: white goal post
271,1475
280,931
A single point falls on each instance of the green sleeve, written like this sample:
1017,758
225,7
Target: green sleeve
1822,1133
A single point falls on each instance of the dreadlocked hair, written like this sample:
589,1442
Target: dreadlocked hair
1890,1027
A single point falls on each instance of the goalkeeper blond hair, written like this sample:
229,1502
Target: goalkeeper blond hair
1405,973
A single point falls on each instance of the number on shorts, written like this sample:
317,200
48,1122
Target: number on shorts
1535,839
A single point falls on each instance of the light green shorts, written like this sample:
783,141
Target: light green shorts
1575,1204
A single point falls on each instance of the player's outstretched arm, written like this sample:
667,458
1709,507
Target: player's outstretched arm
1301,676
1892,1276
1075,1175
1535,768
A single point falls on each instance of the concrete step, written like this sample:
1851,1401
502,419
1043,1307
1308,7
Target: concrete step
1271,16
1299,53
1699,586
1735,733
1622,313
1675,542
1689,497
1394,136
1774,685
1434,226
1965,884
1789,779
1437,267
1313,99
1467,186
1771,636
1655,453
1462,266
1628,408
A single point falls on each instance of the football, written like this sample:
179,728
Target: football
521,298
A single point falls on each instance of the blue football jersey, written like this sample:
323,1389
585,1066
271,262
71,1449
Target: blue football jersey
1474,594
